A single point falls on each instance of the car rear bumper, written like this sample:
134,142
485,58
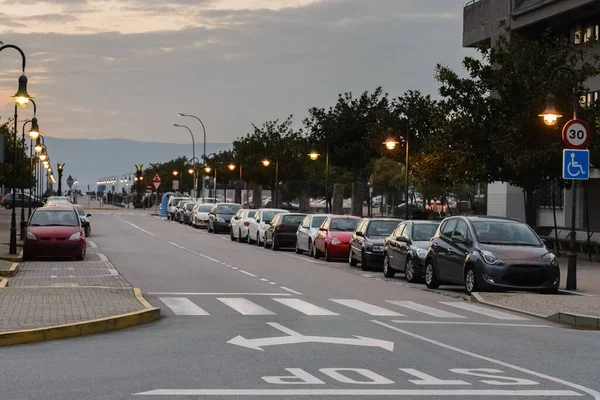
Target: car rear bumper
221,226
374,258
338,250
53,248
285,238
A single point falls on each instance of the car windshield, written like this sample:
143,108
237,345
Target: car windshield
381,228
205,208
505,233
292,219
269,215
423,232
227,208
317,222
54,218
80,211
179,202
189,206
343,224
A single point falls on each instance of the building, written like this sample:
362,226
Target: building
484,21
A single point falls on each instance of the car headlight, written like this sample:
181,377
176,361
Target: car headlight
75,236
490,258
31,236
335,241
551,260
219,219
377,248
421,253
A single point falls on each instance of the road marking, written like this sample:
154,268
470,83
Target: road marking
303,259
264,280
273,283
589,391
247,273
435,312
295,338
482,310
102,257
370,309
182,306
289,290
358,392
92,244
304,307
215,294
244,306
136,227
178,246
400,321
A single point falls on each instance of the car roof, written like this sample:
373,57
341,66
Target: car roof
57,207
489,218
273,209
220,204
295,214
424,222
385,219
344,216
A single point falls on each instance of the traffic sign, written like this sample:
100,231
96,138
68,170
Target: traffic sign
102,188
576,165
156,181
576,134
175,185
70,181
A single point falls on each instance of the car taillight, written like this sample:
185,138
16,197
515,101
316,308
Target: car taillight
280,226
246,223
3,200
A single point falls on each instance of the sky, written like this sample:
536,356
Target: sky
125,68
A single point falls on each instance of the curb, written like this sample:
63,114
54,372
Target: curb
12,271
3,283
574,320
108,324
14,258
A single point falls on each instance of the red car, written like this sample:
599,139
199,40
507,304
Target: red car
54,232
333,238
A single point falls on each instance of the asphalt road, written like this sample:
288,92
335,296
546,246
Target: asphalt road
240,321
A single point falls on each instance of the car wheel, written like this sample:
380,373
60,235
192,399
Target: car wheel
266,243
258,243
316,252
388,271
240,238
88,231
364,264
233,239
208,228
409,272
311,249
431,280
8,206
327,255
298,251
470,280
274,245
351,259
168,217
27,256
249,238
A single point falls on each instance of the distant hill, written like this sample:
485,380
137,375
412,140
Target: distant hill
88,160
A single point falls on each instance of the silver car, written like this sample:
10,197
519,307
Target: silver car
305,236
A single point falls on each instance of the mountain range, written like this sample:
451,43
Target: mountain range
89,160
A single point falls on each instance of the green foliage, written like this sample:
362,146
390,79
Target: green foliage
24,172
388,175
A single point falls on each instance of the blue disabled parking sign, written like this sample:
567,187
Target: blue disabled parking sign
576,165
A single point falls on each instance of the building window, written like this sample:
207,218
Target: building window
545,193
589,99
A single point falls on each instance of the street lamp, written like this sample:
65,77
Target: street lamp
266,162
60,167
274,199
391,144
204,150
550,115
314,156
195,184
175,173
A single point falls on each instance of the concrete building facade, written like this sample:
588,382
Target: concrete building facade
578,21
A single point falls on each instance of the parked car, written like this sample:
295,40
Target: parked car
58,200
200,214
260,222
219,217
406,248
85,222
172,204
54,232
305,236
8,202
186,212
282,230
366,244
333,239
484,253
180,210
240,223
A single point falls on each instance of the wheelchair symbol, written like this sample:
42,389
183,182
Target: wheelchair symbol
575,167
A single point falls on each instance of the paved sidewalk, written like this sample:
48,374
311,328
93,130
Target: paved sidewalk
588,275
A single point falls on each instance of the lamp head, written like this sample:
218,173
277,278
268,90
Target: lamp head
313,155
22,97
266,162
231,166
34,132
207,169
175,173
550,115
391,143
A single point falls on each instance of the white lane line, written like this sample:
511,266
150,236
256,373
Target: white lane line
102,257
182,306
247,273
482,310
303,259
244,306
593,393
286,393
214,294
305,307
178,246
367,308
264,280
272,283
136,227
402,321
236,268
92,244
289,290
435,312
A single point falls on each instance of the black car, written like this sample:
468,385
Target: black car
185,215
85,222
406,248
8,202
219,218
366,245
490,253
282,230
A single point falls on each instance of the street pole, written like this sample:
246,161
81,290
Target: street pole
327,179
406,171
195,183
276,182
215,185
13,215
204,153
572,256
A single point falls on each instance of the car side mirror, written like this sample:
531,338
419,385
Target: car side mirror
322,230
402,239
463,241
89,215
359,233
305,226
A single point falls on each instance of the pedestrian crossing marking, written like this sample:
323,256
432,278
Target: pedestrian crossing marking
483,311
304,307
367,308
434,312
244,306
182,306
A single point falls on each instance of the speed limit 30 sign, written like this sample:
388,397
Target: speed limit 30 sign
576,134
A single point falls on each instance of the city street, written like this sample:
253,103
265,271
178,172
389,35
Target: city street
239,320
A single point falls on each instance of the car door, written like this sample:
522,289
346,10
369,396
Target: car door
270,229
303,232
404,245
321,235
441,247
235,222
460,247
253,228
357,241
393,244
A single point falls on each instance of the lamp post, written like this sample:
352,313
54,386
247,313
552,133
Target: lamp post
21,100
391,144
59,168
195,184
232,168
140,184
204,150
550,117
314,156
266,163
34,134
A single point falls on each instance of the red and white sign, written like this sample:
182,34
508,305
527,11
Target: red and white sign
576,134
156,181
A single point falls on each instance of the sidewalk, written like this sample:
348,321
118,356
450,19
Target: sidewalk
46,300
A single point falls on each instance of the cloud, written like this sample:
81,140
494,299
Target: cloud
48,18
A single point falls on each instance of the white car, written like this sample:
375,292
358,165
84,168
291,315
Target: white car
173,201
200,214
259,223
305,236
240,223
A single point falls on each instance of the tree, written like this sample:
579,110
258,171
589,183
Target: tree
24,171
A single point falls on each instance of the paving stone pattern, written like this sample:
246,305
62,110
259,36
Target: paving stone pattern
547,305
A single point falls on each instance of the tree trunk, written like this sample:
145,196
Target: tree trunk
238,195
338,199
304,205
357,199
257,196
530,209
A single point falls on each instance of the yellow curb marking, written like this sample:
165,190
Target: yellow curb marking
3,283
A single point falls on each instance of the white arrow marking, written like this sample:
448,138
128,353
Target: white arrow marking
295,337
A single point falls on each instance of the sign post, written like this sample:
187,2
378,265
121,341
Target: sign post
156,181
